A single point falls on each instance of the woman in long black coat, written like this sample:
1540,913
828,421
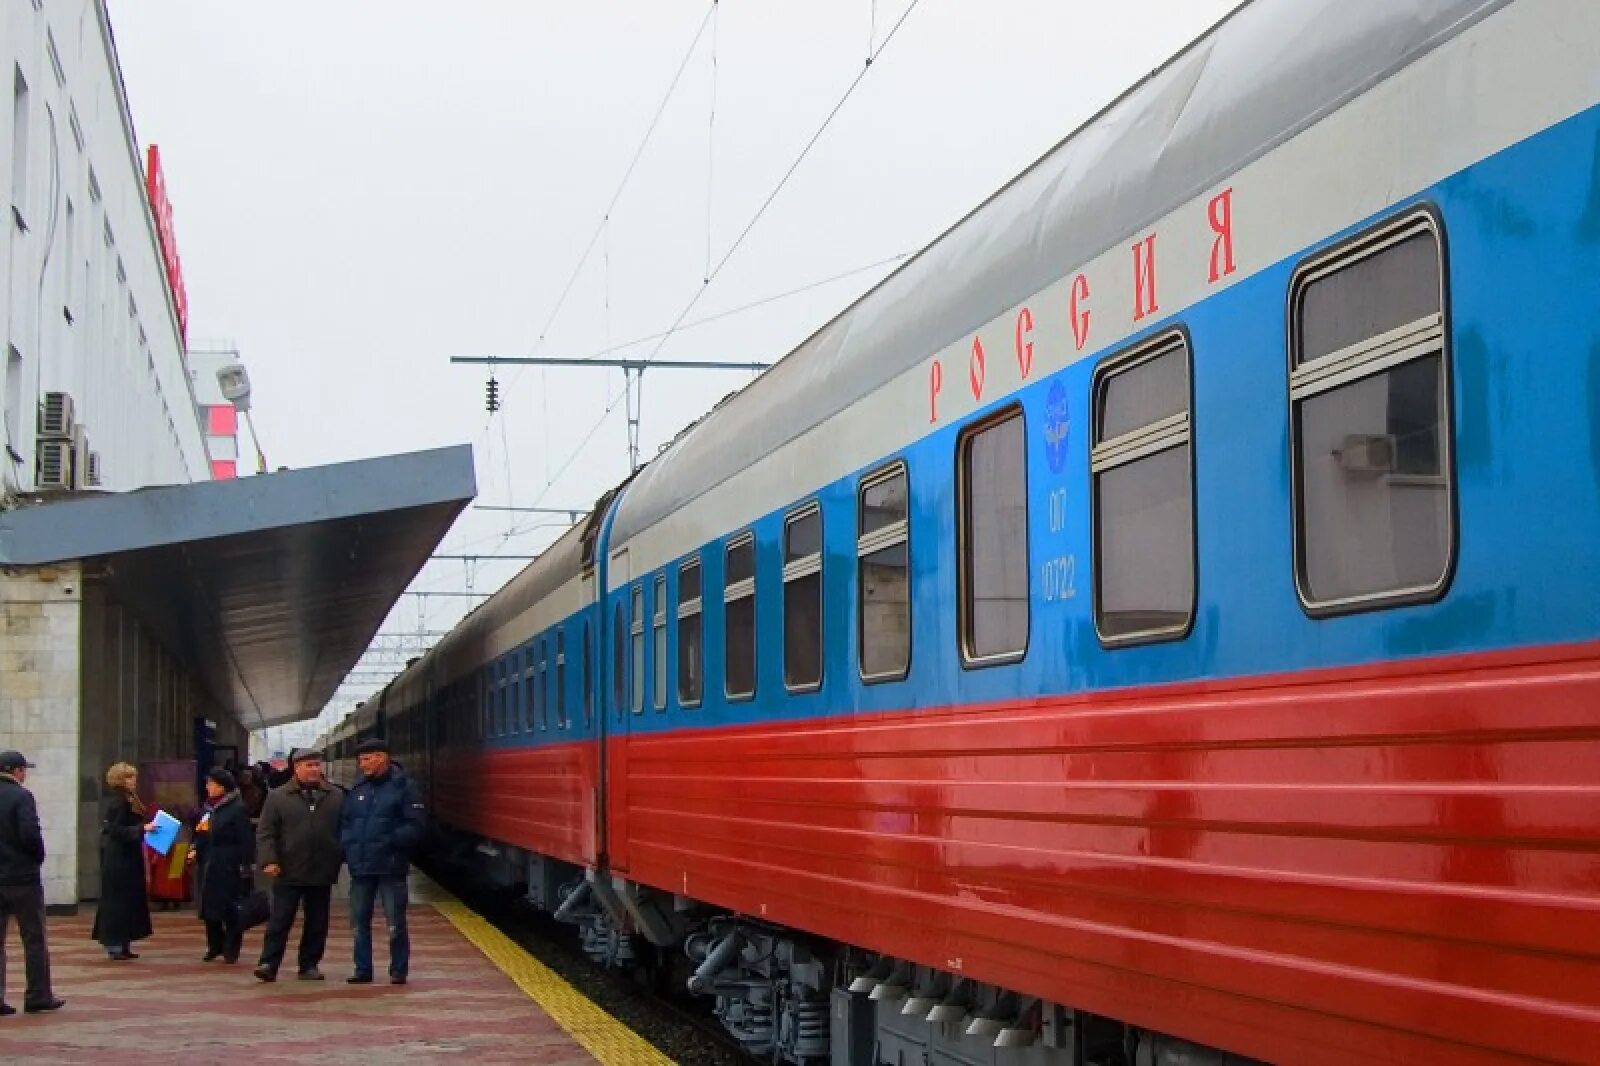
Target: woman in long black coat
225,848
124,913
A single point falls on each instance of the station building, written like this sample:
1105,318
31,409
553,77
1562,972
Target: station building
154,608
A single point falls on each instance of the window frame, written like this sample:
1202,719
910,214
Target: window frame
524,673
588,672
619,653
871,544
1359,362
745,588
561,678
636,646
686,609
659,674
964,556
794,571
541,704
1145,442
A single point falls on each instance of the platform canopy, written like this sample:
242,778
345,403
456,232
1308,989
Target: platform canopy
270,587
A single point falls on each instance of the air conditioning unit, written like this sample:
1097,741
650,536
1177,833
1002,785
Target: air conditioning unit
55,465
56,420
1367,454
85,463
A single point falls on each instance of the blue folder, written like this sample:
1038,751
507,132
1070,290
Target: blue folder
164,835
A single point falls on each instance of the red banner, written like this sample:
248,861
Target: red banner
156,188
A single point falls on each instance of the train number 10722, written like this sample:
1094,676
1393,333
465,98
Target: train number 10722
1058,578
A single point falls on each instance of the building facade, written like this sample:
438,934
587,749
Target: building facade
218,415
96,392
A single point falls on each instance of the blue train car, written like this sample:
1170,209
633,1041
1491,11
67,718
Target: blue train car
1156,625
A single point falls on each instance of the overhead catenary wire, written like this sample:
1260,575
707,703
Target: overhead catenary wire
601,233
627,175
613,402
751,306
678,323
783,181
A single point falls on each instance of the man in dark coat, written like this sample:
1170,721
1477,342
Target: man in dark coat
382,825
225,850
297,842
21,886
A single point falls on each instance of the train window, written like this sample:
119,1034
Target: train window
541,683
491,710
619,658
691,661
482,715
1370,422
586,652
802,599
527,690
505,687
739,618
658,644
993,542
637,664
883,574
1143,491
561,678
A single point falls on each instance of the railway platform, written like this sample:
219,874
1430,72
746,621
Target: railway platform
473,995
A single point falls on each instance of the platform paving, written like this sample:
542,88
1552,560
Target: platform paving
168,1006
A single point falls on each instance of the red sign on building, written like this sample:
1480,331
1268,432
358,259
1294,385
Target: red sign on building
156,188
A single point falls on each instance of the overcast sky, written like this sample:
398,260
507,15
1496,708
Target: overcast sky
362,190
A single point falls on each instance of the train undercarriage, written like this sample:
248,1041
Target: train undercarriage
790,998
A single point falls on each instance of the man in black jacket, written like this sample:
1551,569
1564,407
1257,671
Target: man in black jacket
297,842
21,886
381,826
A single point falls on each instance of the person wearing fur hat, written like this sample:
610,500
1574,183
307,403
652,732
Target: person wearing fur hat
225,851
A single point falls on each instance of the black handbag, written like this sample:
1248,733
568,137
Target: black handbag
254,909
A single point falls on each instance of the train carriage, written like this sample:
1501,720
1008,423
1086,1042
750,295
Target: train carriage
498,722
1156,624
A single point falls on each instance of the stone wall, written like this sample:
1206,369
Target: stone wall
40,613
84,684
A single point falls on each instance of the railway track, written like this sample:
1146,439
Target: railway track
679,1026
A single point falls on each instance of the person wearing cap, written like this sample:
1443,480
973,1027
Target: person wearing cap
225,851
297,844
22,885
382,826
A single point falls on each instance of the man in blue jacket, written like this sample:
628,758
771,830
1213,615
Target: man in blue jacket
381,825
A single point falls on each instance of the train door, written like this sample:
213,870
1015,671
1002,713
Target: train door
591,771
617,722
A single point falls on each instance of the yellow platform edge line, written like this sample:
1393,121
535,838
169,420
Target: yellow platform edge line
607,1039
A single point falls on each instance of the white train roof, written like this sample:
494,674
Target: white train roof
1263,74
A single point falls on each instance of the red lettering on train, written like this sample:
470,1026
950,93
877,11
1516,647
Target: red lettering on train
935,383
975,368
1144,278
1079,312
1220,213
1025,342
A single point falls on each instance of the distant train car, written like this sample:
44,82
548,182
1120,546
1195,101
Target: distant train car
1155,626
499,720
367,721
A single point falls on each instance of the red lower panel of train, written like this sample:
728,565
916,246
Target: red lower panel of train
544,798
1394,862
